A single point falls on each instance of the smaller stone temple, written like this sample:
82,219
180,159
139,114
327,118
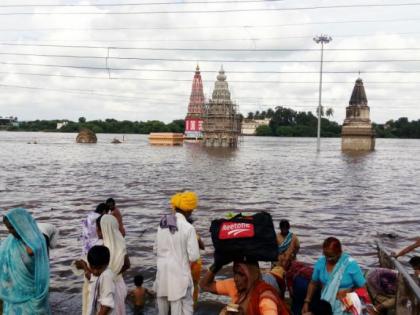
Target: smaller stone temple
222,124
357,133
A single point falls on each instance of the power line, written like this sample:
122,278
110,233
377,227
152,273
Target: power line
209,49
189,71
135,4
113,78
212,39
309,36
309,8
142,28
202,60
137,98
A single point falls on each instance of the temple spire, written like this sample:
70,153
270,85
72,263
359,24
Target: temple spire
358,97
194,118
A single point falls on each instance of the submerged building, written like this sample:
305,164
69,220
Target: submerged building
357,133
194,119
222,124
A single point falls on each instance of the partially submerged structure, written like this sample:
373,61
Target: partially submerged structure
166,138
194,119
357,133
222,124
86,136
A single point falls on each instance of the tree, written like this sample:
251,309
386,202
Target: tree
250,115
82,120
263,130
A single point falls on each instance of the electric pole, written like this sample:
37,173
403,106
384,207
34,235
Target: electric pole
323,39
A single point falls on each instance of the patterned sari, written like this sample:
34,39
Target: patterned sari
24,278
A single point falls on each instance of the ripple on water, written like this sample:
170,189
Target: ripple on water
357,198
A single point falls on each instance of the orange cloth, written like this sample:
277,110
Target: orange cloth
196,273
228,288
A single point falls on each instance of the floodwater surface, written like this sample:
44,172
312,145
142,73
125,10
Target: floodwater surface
356,198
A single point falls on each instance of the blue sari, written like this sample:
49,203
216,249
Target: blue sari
330,290
24,279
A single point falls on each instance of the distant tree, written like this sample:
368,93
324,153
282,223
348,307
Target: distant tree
263,114
329,112
263,131
82,120
250,115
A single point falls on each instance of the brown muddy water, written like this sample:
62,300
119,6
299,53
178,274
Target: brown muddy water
358,198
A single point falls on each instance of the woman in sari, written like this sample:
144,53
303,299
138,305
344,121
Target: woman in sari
338,274
119,261
109,236
246,289
24,266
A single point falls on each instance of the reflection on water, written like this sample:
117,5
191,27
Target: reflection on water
354,197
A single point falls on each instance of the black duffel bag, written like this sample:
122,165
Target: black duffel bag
250,238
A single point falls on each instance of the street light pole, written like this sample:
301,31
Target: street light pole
323,39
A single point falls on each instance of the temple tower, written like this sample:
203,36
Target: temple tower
194,119
357,133
222,125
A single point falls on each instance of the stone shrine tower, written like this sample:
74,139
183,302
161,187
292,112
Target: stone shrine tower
222,125
357,133
194,119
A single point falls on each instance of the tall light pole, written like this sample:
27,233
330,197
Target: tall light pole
323,39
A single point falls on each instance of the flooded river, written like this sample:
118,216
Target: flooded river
354,197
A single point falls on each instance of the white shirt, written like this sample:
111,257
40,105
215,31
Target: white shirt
51,231
102,290
174,254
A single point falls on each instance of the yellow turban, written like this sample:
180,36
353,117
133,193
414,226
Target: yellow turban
185,201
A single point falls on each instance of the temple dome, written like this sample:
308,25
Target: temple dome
358,97
221,76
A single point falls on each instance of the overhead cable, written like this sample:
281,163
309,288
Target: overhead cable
117,78
195,27
210,49
135,4
271,9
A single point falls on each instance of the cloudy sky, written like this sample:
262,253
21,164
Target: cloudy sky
135,59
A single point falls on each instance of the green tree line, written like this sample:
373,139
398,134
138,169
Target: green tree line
286,122
102,126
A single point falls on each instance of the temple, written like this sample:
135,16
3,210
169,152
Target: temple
222,125
357,133
194,119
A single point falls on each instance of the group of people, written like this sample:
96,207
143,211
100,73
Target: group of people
335,284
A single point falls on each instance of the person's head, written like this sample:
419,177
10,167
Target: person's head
331,249
98,227
415,263
138,281
322,308
101,208
245,274
110,203
284,226
184,202
10,228
98,258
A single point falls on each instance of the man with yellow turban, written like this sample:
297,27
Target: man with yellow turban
176,248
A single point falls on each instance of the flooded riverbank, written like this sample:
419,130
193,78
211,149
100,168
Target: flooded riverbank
354,197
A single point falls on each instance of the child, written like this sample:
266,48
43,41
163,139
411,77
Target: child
138,295
102,290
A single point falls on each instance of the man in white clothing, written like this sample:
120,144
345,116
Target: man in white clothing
176,248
